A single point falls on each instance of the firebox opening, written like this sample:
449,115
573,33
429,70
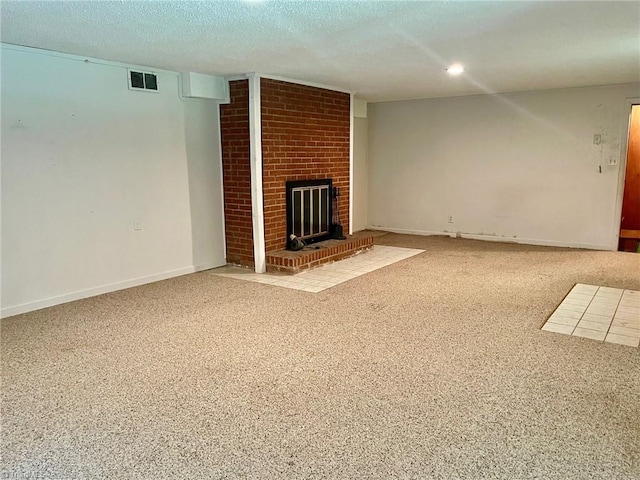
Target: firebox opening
309,212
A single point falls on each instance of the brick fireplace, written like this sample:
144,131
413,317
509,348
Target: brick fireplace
305,136
236,174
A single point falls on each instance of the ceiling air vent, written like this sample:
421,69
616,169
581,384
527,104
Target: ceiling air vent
146,81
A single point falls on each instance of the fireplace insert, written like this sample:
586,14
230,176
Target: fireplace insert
309,210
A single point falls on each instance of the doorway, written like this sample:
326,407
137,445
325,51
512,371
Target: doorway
630,220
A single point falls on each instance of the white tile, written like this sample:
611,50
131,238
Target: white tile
339,272
310,274
604,310
628,332
585,293
635,324
601,311
313,283
575,301
554,327
573,308
586,333
622,340
579,296
314,289
611,289
581,287
383,263
382,254
630,301
318,281
362,264
607,296
605,301
371,268
628,309
632,294
608,293
327,271
568,313
600,327
626,315
605,305
346,276
359,271
559,320
331,274
590,317
629,305
348,261
293,286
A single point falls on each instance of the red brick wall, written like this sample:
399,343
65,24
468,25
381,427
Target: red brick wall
305,136
234,126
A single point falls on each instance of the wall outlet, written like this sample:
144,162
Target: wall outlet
450,220
137,225
613,161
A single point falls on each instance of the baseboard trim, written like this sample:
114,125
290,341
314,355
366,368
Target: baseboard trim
92,292
493,238
208,266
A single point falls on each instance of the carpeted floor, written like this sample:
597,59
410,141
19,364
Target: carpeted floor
434,367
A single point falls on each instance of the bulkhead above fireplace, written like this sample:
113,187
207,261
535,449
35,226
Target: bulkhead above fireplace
309,210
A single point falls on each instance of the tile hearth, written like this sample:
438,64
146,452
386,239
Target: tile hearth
326,276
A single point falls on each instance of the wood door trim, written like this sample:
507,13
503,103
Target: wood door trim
630,234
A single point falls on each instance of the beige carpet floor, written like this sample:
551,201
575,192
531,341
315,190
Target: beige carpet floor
434,367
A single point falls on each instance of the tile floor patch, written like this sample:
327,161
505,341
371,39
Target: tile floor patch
604,314
557,328
326,276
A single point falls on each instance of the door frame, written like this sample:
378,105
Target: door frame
622,169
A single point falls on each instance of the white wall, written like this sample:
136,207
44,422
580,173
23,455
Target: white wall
204,162
83,157
360,173
520,167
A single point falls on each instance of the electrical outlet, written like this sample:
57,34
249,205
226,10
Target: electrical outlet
450,219
613,161
137,225
597,139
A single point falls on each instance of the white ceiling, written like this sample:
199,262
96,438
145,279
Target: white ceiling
382,50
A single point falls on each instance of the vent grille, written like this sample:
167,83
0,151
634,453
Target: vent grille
147,81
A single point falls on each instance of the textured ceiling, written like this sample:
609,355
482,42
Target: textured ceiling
383,50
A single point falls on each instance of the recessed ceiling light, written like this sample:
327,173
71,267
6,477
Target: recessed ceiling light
455,69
